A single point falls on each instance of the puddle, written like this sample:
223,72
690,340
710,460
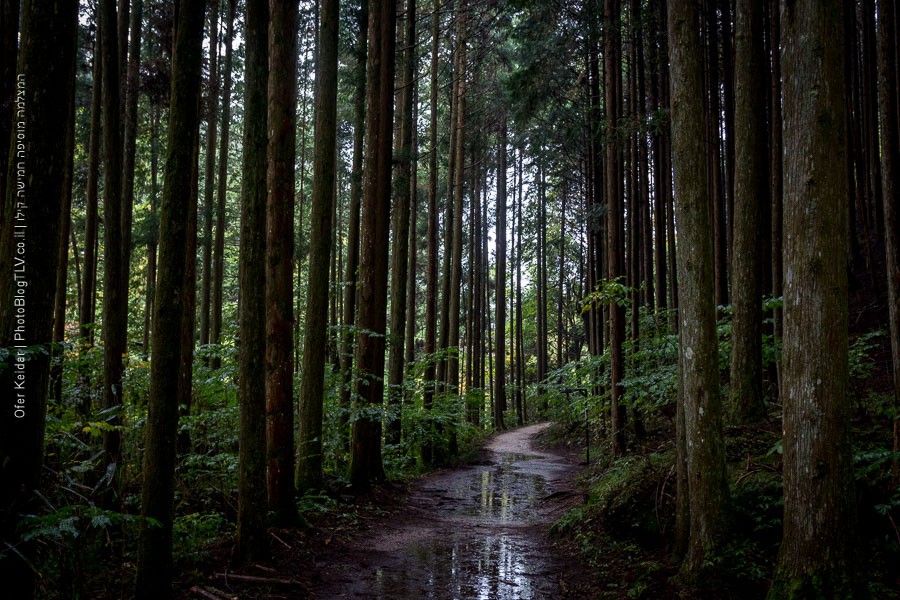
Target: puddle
475,532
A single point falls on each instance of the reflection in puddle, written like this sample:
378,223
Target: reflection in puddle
483,553
495,566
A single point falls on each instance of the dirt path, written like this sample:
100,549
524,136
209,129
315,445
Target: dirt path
478,531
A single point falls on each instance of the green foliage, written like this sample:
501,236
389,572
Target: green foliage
860,354
75,520
192,533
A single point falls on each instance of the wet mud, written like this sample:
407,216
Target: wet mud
474,532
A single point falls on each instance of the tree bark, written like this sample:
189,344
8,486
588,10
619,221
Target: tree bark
215,327
452,375
707,479
89,287
132,89
400,226
890,173
251,542
615,217
500,374
751,188
29,254
351,273
280,260
819,496
209,179
312,387
115,297
154,569
431,268
365,462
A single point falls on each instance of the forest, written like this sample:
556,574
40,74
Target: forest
269,265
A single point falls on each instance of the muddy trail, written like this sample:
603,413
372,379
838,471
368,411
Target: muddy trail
478,531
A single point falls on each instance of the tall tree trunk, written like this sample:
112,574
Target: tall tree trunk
890,172
698,351
520,362
351,273
413,264
431,268
153,240
189,304
452,375
132,87
615,217
251,542
500,374
776,182
819,497
209,179
400,226
365,462
312,387
154,570
65,228
215,327
115,297
751,196
29,254
280,260
88,288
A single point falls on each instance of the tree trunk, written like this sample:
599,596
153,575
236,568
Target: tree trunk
251,542
776,182
615,216
115,286
88,288
351,274
312,388
431,268
365,461
500,374
209,179
65,228
819,496
215,328
890,172
751,188
132,87
29,255
707,480
154,569
280,260
452,375
153,241
189,304
400,226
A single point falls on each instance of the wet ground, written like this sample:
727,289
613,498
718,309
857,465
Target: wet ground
473,532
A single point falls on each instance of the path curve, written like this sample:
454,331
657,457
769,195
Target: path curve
478,531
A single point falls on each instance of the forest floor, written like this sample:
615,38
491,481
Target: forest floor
476,531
